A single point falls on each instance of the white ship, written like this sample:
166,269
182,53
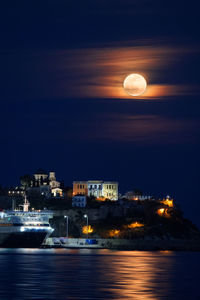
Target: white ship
23,228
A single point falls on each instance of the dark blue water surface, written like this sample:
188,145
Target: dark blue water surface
98,274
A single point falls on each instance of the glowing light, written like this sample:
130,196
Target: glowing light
163,212
113,232
32,228
168,202
135,84
87,229
135,225
101,199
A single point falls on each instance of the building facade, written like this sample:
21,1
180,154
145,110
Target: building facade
79,201
80,188
130,195
96,188
110,190
45,184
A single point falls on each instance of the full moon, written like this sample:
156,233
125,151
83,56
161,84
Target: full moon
135,85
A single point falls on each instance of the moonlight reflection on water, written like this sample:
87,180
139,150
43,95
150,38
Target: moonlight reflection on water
97,274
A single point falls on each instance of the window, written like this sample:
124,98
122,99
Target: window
109,187
95,186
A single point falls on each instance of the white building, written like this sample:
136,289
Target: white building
52,181
79,201
46,184
96,188
40,176
57,192
132,196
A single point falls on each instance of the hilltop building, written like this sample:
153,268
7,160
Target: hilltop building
46,184
97,188
131,195
40,183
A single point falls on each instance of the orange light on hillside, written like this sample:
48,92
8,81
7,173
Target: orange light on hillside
135,225
161,211
101,199
168,202
87,229
113,232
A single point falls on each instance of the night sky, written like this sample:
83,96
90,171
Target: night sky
63,108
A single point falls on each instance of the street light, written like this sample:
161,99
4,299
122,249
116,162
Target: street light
86,216
67,219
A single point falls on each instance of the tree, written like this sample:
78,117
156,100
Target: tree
138,192
25,180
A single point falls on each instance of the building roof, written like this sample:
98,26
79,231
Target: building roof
41,171
74,182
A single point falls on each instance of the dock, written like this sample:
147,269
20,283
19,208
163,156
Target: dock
149,244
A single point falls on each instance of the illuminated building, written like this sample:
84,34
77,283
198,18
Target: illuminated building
80,188
40,183
97,188
46,184
40,177
131,195
110,190
57,192
16,191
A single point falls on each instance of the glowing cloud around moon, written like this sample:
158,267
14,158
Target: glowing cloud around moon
135,85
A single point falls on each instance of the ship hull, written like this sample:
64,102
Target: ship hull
22,239
24,229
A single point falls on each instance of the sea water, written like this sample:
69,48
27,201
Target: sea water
98,274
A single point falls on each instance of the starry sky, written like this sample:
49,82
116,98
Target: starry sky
63,107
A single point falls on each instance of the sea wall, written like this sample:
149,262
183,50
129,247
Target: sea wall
124,244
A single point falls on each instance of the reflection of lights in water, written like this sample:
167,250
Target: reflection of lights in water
138,275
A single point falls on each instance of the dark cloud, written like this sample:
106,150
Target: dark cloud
66,24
